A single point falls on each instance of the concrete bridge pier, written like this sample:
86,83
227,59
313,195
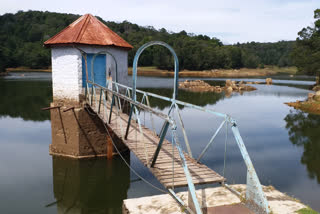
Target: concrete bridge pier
78,133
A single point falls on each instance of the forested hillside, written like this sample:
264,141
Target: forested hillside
22,36
277,53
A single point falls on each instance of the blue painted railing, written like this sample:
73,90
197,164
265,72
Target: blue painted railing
254,192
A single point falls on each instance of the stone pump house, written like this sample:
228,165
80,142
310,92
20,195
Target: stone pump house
76,133
90,36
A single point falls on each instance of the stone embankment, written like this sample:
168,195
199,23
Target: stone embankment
201,86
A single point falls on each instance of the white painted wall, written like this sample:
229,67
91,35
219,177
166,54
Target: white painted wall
66,65
67,69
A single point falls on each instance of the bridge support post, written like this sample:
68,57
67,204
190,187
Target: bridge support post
162,136
109,147
129,122
190,203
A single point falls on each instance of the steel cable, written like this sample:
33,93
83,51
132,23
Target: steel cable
225,150
128,165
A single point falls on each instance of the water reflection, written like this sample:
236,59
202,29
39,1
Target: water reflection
89,186
197,98
98,187
303,129
24,99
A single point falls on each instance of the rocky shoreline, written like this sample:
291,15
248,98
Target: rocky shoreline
311,105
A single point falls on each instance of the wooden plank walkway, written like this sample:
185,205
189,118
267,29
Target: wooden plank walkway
167,170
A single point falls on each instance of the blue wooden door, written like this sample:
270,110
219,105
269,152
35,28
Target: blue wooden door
99,69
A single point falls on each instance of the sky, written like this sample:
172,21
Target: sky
231,21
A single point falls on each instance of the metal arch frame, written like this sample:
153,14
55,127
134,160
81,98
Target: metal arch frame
116,81
191,187
107,53
135,67
84,55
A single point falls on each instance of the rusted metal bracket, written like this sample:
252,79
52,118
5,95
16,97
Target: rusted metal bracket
68,109
49,108
58,107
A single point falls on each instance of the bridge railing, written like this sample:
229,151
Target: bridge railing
97,95
114,94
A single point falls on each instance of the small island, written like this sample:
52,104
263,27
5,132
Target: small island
202,86
311,104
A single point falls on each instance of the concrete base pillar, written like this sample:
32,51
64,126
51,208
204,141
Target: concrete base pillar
78,133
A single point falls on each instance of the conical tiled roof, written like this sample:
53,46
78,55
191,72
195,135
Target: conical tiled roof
87,30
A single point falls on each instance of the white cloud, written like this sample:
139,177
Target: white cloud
230,20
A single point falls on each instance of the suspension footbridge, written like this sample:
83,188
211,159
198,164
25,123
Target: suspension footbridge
165,158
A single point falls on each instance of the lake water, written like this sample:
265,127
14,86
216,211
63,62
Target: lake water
283,143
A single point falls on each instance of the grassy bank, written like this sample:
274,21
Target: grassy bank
26,69
243,72
307,211
153,71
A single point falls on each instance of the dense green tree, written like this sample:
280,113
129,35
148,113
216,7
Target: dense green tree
306,53
22,36
235,55
250,60
277,53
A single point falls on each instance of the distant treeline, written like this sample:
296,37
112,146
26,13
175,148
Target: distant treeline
22,36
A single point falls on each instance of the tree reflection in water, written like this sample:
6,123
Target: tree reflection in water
196,98
304,130
25,99
90,186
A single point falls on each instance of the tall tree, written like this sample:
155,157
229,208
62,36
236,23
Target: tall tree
306,53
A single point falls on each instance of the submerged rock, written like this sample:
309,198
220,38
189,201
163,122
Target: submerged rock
311,96
248,88
316,88
269,81
228,83
229,89
196,86
317,96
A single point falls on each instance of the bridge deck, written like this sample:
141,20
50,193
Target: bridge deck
167,170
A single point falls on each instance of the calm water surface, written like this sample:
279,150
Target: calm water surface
284,145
